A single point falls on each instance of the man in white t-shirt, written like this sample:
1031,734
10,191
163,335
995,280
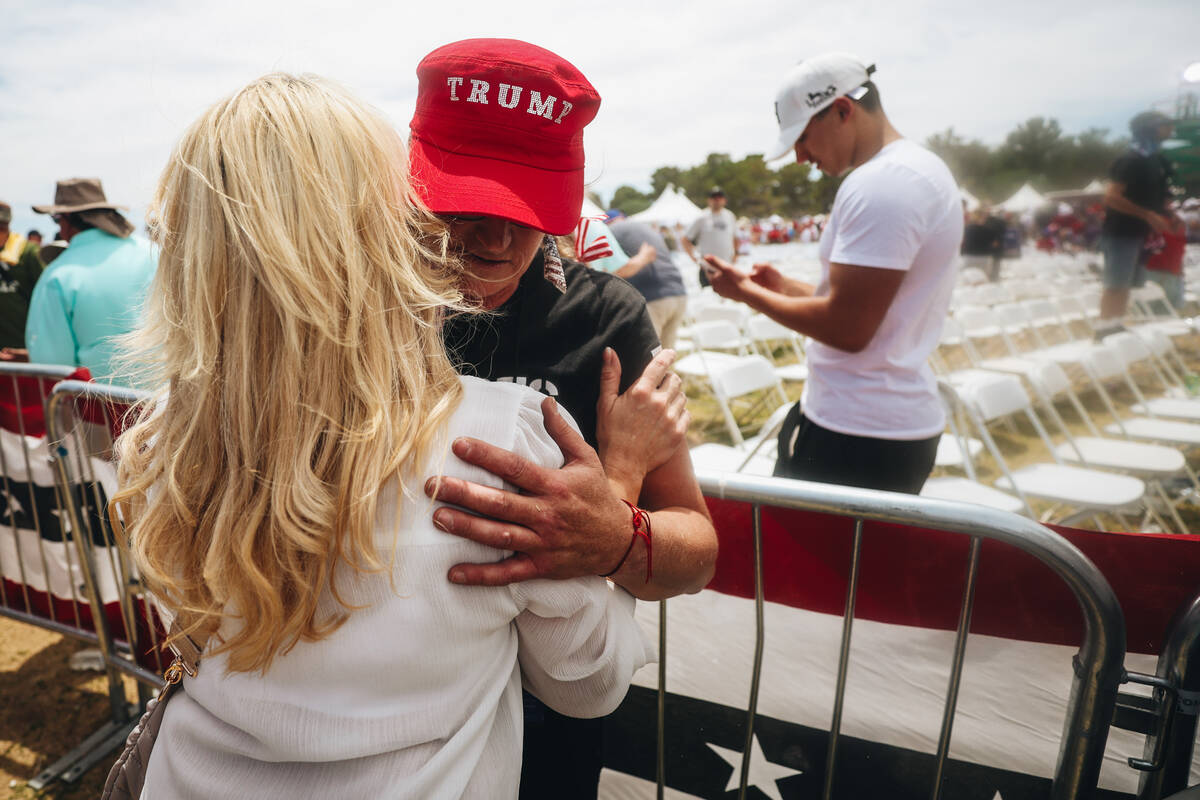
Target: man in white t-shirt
713,233
870,414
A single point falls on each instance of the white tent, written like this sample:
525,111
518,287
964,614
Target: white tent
1093,189
590,209
971,200
1024,199
670,208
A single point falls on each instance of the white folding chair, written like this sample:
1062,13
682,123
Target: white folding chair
754,456
765,332
723,312
1104,364
712,340
1146,299
968,489
1087,491
751,375
1153,463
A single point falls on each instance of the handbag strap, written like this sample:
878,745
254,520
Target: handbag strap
187,654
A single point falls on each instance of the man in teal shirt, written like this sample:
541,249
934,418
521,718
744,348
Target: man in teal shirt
93,292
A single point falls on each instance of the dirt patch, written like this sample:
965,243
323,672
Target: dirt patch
46,708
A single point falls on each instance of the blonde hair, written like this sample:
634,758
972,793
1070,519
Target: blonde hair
294,331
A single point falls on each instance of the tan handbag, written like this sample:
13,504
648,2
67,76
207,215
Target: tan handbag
128,774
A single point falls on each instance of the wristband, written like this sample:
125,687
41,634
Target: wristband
641,530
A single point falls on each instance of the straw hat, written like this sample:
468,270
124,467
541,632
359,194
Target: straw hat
85,196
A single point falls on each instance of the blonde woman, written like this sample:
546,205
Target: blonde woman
273,488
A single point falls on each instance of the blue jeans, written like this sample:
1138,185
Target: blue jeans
1124,262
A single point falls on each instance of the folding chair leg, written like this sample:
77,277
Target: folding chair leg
734,431
1174,512
1195,482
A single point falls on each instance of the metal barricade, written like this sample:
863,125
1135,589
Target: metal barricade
47,545
1098,664
83,419
1170,745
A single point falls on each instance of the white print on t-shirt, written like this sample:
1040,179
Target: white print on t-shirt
537,384
900,210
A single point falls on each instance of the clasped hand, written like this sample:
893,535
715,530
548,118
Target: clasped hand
566,522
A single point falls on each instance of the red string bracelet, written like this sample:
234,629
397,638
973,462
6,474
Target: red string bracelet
641,530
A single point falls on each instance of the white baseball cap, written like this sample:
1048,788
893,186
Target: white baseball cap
811,86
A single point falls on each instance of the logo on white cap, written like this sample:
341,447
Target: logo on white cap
816,98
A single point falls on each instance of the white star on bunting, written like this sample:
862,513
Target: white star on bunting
14,507
64,519
763,773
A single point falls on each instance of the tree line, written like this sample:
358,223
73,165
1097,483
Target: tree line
1037,151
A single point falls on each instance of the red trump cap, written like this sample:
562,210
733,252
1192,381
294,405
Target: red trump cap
498,131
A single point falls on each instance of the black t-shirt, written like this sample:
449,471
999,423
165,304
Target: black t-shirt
555,342
1145,179
978,240
16,290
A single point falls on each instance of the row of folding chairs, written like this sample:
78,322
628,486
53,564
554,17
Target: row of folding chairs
1079,476
1163,425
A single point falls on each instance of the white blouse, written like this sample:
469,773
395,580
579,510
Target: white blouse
418,694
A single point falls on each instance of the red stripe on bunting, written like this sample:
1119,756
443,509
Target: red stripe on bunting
22,401
915,576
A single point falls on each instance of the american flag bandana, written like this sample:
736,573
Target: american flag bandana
552,268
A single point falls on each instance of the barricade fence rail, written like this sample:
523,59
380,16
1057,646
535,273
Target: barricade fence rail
1098,667
52,539
105,605
1175,740
83,420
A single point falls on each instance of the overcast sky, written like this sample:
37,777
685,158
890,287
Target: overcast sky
105,88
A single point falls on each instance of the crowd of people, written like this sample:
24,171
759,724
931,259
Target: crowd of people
452,448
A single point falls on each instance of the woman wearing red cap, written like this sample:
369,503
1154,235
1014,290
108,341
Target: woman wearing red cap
497,151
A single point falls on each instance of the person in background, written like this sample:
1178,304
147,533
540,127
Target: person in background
712,233
20,268
34,236
93,291
626,503
981,242
659,283
870,415
271,485
1164,264
1135,206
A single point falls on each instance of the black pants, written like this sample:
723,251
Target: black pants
812,453
562,755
